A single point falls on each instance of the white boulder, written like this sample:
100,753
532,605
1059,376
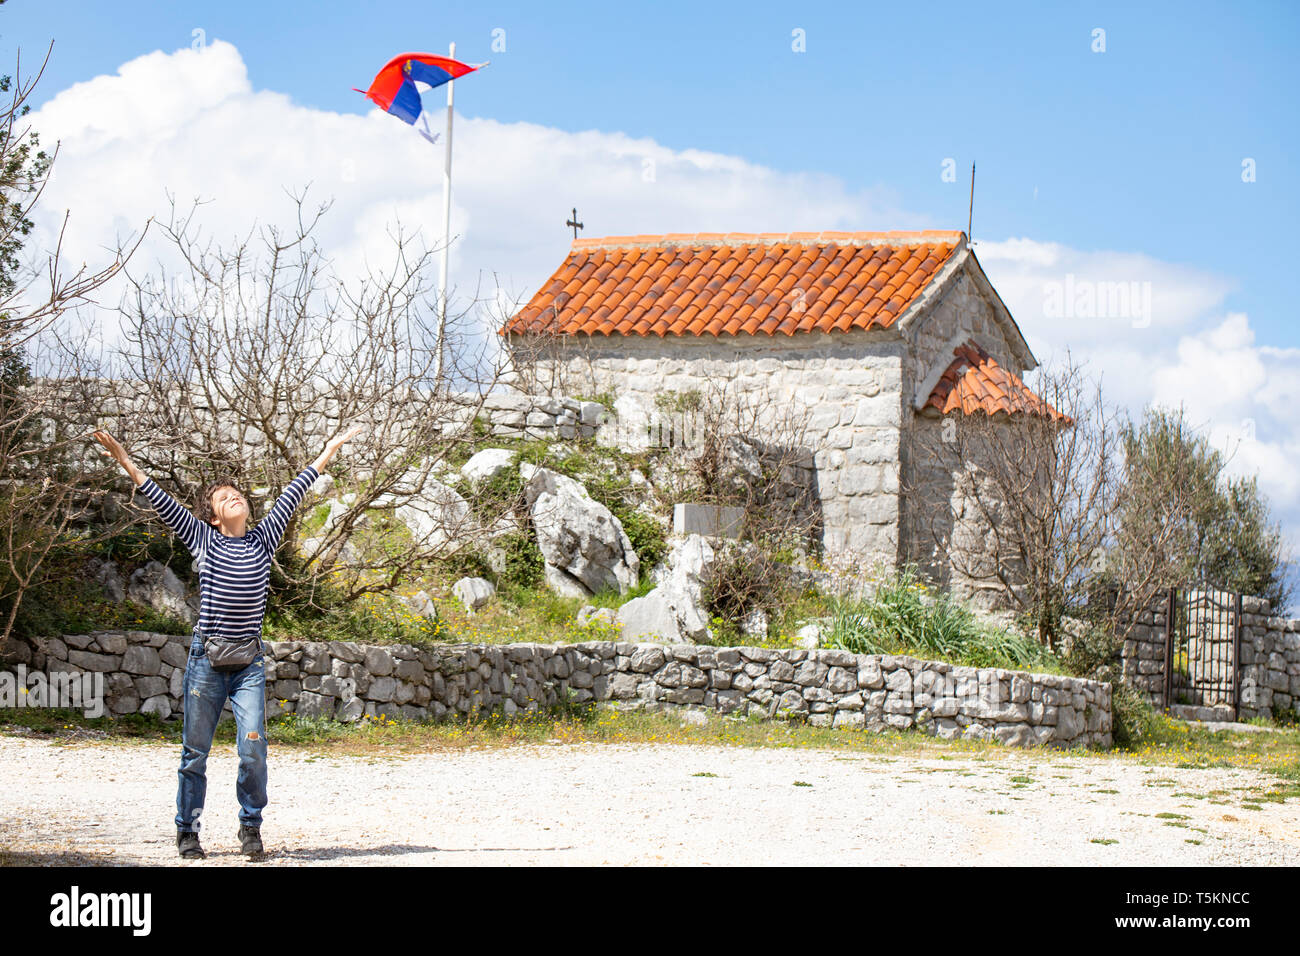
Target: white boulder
809,637
474,593
107,575
581,541
687,565
487,464
157,586
438,516
649,617
674,611
421,604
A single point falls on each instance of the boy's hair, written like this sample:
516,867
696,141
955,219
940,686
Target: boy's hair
204,511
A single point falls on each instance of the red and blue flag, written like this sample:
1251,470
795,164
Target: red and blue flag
393,89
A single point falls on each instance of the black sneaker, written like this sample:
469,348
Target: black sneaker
187,842
250,842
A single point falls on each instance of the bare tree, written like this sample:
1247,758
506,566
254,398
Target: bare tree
743,452
47,495
546,362
1029,506
242,363
35,293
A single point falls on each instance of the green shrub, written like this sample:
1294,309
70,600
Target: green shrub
138,546
741,581
1093,653
523,560
499,495
468,563
63,600
1133,719
647,537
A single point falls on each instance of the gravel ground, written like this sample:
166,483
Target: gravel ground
113,804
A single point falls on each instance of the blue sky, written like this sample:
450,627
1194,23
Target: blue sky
1102,166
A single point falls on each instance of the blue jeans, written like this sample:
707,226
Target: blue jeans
205,695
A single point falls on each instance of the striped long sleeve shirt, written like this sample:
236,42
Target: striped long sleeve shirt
234,573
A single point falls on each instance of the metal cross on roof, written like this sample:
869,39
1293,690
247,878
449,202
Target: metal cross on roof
574,223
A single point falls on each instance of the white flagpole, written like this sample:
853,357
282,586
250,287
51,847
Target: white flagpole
446,228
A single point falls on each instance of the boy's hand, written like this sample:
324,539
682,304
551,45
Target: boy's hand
112,449
337,441
332,446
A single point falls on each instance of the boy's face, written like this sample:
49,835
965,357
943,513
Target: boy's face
228,506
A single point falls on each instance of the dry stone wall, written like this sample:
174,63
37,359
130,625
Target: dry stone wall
505,412
829,688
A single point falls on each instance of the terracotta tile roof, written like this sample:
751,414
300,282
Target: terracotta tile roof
976,383
736,283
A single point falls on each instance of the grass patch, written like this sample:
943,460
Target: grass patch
1104,841
904,617
580,724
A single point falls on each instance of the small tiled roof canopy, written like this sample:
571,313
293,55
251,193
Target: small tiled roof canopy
719,284
976,383
735,284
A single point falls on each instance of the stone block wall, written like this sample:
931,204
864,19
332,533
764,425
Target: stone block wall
844,391
944,528
542,417
829,688
1143,655
960,313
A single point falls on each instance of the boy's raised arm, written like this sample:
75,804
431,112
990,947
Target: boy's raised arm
271,528
184,524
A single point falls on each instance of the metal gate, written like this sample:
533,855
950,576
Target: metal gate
1203,649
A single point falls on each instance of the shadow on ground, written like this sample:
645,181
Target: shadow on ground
59,858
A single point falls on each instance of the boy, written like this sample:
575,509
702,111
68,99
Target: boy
234,565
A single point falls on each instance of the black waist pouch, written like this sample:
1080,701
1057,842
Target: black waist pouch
227,654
